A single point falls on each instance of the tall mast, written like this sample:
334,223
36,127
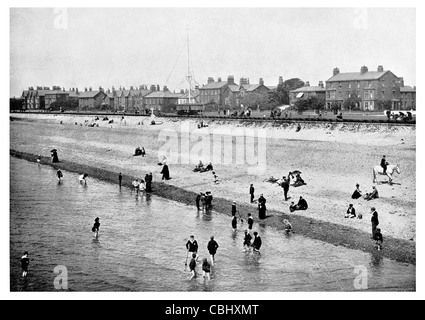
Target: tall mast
189,77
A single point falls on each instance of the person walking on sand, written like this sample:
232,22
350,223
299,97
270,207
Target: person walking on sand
206,269
374,220
256,244
165,172
234,208
192,267
25,261
59,174
215,177
212,249
120,179
247,240
192,246
96,227
251,192
250,221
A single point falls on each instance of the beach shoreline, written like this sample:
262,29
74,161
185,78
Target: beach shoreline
113,141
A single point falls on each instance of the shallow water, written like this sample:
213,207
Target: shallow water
142,244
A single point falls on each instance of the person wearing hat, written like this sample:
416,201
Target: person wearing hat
234,210
198,200
251,192
285,186
351,212
250,221
373,195
262,207
384,164
83,178
357,193
247,240
234,222
374,220
212,249
96,227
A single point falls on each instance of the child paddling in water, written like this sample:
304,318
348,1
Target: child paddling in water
95,228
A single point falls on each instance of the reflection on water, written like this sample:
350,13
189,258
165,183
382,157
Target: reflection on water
141,244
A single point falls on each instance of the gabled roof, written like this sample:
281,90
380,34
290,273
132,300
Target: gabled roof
253,87
186,95
407,89
357,76
90,94
234,87
272,88
214,85
309,89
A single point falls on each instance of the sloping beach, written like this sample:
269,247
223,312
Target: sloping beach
332,158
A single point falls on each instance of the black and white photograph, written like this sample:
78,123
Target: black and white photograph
226,151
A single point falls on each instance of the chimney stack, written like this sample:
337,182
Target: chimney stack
380,69
165,89
321,84
101,89
401,79
261,82
90,89
210,79
231,80
158,88
219,79
307,84
336,71
152,88
363,70
113,89
280,80
85,89
131,88
243,81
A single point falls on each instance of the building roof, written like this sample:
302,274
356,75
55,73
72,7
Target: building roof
234,87
272,88
186,95
162,94
309,89
357,76
253,87
407,89
214,85
90,94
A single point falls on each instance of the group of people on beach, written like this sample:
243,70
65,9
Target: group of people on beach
142,184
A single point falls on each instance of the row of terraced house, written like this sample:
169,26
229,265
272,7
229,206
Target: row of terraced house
367,87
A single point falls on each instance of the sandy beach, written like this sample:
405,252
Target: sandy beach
332,159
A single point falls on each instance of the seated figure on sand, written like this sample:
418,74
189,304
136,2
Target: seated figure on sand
209,167
301,205
199,166
351,212
357,193
298,181
271,179
373,195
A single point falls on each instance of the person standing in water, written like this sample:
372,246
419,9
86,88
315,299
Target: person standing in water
25,261
250,222
256,244
206,269
192,266
212,249
247,240
192,246
234,222
120,179
96,227
59,174
39,159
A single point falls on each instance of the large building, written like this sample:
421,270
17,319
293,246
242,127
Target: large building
369,87
161,100
408,98
307,92
91,100
42,98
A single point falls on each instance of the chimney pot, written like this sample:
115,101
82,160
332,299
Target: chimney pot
380,69
336,71
280,80
363,69
261,82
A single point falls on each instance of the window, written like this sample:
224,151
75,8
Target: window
365,94
366,105
358,84
340,85
358,94
340,94
369,84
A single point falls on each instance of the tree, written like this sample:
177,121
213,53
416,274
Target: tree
16,104
352,103
281,95
383,104
301,105
64,105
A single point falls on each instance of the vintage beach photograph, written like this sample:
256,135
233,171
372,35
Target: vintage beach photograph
212,149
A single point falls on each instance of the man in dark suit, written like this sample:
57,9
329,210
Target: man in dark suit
285,186
384,164
251,192
374,220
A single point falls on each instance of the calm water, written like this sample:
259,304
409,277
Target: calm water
142,244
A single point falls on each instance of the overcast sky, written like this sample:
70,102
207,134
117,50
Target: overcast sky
128,47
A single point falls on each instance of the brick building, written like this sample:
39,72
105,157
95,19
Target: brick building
369,87
407,98
307,92
161,100
91,99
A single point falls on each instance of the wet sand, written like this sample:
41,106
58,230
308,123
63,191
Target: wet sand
332,158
